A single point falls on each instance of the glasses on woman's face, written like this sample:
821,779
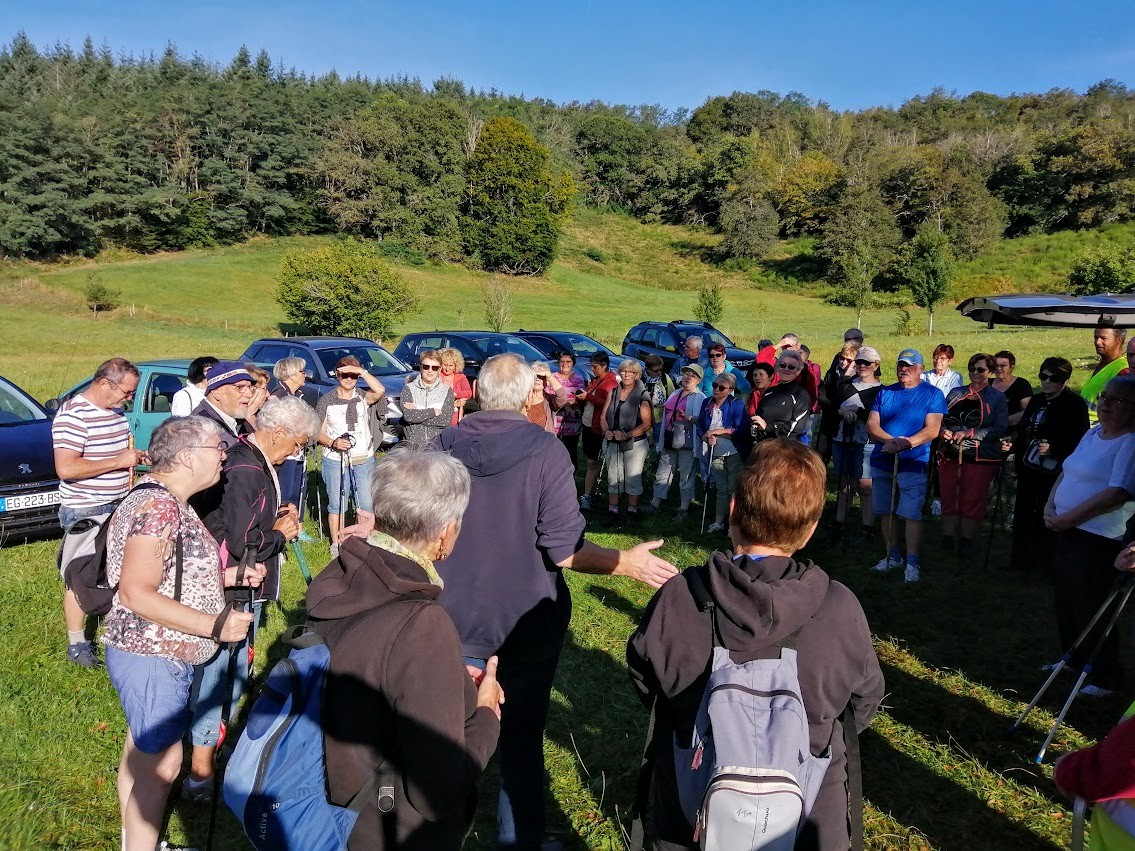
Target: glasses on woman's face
431,367
1053,377
628,372
977,370
788,367
716,355
720,387
863,363
1108,399
1003,366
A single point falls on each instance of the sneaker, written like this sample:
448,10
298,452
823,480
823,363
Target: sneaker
1097,692
83,654
936,508
912,573
888,563
197,791
585,502
334,551
715,527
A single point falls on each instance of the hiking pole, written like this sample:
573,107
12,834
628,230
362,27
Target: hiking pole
1085,671
302,562
891,535
997,509
705,496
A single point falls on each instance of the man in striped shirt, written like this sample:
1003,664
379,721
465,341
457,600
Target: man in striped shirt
93,458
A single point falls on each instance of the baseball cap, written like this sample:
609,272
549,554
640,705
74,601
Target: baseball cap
852,334
909,356
695,368
227,372
868,353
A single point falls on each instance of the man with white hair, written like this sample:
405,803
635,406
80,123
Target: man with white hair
504,585
692,352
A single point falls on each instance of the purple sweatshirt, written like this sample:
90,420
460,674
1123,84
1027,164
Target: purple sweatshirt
503,589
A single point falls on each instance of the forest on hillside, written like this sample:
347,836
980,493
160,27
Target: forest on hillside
165,152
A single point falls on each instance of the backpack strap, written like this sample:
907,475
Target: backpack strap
854,778
705,603
642,786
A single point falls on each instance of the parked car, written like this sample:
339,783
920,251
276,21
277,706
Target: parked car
550,343
29,486
1048,310
158,381
475,347
667,338
320,354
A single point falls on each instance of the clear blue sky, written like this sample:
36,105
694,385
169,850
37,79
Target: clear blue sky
850,53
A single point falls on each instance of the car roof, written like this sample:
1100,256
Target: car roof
324,339
171,363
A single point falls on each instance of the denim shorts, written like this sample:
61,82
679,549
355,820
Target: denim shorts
852,460
911,493
154,693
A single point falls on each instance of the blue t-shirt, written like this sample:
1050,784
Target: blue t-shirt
902,412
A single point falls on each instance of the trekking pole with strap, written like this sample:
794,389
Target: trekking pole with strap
997,515
705,490
230,683
892,520
1119,595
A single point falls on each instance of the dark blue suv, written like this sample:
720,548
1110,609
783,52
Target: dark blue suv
667,338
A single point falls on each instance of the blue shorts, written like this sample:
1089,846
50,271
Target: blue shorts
852,460
154,693
911,495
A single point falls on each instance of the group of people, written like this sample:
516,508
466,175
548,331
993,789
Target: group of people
473,523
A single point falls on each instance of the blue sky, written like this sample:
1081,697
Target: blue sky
851,54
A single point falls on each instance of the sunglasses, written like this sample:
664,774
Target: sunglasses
788,367
864,363
430,368
348,376
722,387
978,369
716,355
1051,376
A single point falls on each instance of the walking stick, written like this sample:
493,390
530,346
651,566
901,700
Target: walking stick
705,490
995,521
891,534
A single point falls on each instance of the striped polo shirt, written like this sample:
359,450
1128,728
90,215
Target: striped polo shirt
96,434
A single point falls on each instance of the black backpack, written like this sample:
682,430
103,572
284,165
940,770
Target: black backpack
82,560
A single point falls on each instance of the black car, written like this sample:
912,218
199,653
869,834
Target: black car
551,343
475,346
667,338
29,486
320,354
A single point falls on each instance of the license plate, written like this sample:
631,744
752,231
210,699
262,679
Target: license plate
29,500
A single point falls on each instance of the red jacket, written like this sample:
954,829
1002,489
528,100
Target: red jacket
1103,772
597,392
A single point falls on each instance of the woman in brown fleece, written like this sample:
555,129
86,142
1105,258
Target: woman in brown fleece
763,596
399,699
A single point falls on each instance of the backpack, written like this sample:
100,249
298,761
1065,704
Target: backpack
276,779
747,778
82,560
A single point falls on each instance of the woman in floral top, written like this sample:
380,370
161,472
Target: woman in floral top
166,617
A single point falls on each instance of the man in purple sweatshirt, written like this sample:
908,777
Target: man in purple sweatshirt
504,586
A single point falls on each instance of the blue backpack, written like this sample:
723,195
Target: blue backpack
276,779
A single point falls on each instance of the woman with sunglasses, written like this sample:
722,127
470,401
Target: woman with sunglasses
427,402
718,365
969,454
852,445
1052,424
722,415
785,407
1088,510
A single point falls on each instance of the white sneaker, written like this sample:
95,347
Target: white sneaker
889,563
715,527
1096,691
912,573
936,508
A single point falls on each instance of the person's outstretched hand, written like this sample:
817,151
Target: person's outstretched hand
489,692
642,564
364,525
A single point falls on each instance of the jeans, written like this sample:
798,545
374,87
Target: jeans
68,517
527,687
726,470
208,694
356,486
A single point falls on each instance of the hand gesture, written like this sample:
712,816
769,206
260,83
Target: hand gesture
253,576
640,563
489,693
1126,559
342,444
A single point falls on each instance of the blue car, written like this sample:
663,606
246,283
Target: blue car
29,486
551,343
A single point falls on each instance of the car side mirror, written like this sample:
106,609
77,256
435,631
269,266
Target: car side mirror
52,405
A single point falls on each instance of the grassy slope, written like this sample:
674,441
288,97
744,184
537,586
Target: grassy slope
959,650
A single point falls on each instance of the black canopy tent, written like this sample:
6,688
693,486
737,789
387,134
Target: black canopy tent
1053,311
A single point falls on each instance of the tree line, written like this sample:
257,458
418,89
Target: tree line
166,152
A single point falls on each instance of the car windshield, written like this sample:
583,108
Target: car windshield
708,336
498,344
375,360
585,347
16,406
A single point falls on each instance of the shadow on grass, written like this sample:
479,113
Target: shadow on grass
950,818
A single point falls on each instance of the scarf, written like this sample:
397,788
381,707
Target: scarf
384,542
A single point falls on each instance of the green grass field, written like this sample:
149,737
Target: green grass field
961,650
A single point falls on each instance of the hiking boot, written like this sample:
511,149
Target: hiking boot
83,653
912,574
889,563
681,515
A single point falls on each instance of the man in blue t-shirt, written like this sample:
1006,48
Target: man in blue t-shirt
905,418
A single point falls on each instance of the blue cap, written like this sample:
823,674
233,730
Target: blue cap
226,372
911,356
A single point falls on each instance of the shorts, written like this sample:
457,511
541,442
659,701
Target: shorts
911,495
856,457
592,445
154,693
965,488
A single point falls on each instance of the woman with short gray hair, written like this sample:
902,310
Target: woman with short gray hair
401,696
291,375
628,419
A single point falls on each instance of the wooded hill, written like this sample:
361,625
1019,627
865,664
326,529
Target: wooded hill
167,152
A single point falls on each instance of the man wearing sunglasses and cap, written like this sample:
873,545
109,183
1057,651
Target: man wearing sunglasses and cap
905,417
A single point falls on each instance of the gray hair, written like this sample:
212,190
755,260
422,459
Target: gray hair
695,339
504,383
285,368
289,412
176,435
417,493
631,364
791,353
727,377
114,370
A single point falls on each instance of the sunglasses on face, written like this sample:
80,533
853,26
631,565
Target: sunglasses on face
716,355
788,367
864,363
430,367
722,387
978,369
1051,376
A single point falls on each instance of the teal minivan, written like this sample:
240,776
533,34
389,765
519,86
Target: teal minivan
158,381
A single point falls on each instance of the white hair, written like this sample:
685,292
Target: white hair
417,493
695,340
176,435
504,383
631,364
289,412
792,353
285,368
